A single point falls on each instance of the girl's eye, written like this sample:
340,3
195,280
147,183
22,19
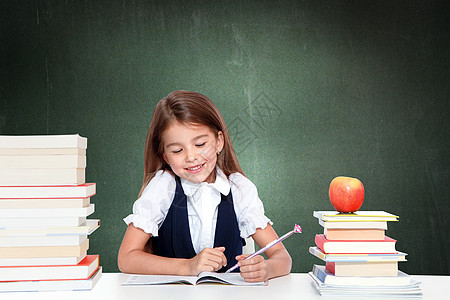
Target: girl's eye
201,144
176,151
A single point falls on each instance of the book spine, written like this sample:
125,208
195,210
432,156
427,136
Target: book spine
331,266
314,251
319,274
320,242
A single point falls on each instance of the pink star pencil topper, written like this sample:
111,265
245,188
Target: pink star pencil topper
297,229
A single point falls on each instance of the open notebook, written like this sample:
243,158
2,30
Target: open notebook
204,277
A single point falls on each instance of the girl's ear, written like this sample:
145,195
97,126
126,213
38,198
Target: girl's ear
165,158
220,141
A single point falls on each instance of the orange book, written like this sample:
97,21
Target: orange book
354,234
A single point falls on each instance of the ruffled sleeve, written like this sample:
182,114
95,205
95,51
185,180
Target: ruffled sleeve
150,210
248,207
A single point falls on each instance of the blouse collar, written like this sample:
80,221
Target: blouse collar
221,184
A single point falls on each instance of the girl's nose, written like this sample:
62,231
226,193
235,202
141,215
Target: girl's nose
191,156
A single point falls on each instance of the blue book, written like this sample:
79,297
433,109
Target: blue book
326,277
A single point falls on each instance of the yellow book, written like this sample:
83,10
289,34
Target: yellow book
359,216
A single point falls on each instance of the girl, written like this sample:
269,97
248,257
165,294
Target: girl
196,205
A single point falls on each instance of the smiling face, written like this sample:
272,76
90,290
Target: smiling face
191,150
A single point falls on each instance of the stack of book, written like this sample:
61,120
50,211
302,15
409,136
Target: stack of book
44,205
359,258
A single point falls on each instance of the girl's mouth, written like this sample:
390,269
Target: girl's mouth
195,168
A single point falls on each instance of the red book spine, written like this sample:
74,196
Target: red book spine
320,242
331,267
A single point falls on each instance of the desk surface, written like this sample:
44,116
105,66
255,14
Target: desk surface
293,286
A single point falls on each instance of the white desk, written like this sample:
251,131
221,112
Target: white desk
293,286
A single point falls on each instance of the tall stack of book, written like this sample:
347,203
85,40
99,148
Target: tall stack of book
360,259
44,205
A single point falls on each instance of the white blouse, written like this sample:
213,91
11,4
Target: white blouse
150,210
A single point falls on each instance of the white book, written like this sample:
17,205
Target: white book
44,203
48,191
42,151
42,261
83,270
9,223
354,225
23,177
44,251
47,212
204,277
42,161
52,285
43,141
46,240
327,277
87,228
359,257
409,291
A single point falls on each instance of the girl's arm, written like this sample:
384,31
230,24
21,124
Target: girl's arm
133,258
279,261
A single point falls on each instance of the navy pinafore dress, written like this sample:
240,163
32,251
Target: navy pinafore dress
174,237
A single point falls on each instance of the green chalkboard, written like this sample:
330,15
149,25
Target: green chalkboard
309,89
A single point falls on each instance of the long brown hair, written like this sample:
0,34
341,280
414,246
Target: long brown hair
185,107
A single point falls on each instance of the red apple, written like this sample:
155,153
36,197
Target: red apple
346,194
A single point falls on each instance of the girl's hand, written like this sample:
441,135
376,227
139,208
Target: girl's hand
254,269
209,260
